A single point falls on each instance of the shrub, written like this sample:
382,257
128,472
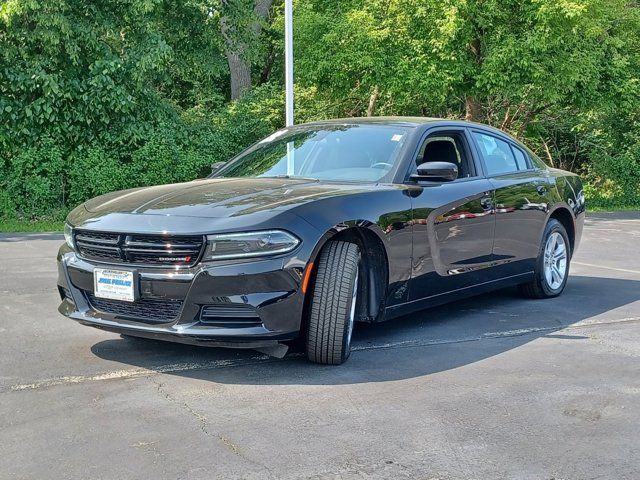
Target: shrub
94,171
46,180
35,181
613,180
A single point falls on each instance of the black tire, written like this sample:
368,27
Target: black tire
329,327
539,287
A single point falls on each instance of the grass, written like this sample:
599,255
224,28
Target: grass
614,209
13,225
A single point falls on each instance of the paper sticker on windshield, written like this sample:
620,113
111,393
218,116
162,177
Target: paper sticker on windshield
396,137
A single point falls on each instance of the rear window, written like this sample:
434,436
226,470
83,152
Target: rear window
521,159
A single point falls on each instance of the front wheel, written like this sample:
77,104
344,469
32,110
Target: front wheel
333,304
552,264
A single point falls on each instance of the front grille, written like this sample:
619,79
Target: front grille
230,315
145,310
139,249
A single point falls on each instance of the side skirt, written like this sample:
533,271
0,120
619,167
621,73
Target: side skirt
447,297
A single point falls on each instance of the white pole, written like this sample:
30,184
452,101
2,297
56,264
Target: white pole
291,160
288,60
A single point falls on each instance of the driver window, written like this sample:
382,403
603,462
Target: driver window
445,147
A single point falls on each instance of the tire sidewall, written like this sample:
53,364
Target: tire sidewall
346,342
328,339
553,226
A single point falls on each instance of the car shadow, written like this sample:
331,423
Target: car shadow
424,343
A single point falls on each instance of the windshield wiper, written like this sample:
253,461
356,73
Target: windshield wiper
293,177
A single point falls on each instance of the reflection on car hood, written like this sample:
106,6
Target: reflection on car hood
218,197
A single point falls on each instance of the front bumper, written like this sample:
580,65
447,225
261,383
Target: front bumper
268,289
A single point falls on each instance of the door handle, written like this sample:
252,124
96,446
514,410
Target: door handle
541,189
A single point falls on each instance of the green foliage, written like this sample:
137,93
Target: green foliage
45,180
78,71
36,181
94,171
102,95
614,179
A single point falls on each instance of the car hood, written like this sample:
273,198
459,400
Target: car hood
216,198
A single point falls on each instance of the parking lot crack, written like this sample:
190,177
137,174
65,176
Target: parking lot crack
202,420
204,423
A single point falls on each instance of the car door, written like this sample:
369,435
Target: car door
453,222
521,201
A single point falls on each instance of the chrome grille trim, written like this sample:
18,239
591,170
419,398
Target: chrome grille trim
154,250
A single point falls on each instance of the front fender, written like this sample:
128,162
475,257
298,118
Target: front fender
385,213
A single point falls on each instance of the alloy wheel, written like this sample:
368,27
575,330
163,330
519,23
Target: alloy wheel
555,260
352,313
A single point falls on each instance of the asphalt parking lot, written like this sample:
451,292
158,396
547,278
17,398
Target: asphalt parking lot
491,387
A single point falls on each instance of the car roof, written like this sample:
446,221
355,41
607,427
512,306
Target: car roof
407,121
401,121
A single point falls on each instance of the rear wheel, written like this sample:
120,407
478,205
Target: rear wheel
333,304
552,265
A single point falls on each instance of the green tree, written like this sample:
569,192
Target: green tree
487,60
78,71
106,94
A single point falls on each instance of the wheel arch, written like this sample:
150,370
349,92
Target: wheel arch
565,217
371,241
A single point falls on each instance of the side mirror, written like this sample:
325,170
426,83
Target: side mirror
436,171
216,166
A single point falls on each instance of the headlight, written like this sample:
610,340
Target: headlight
68,235
249,244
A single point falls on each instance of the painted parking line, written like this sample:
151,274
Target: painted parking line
137,372
492,335
626,270
212,364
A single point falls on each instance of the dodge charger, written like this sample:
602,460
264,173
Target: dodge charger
319,226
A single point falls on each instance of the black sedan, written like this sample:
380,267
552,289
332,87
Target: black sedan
319,226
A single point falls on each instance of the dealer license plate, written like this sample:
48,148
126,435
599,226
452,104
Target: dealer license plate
114,284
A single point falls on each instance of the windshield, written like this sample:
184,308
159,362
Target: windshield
323,152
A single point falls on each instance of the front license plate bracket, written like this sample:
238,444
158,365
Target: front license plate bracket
115,284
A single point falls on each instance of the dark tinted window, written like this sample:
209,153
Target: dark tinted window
521,159
497,154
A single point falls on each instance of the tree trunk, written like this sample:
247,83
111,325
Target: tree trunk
261,10
373,99
236,50
473,109
240,71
